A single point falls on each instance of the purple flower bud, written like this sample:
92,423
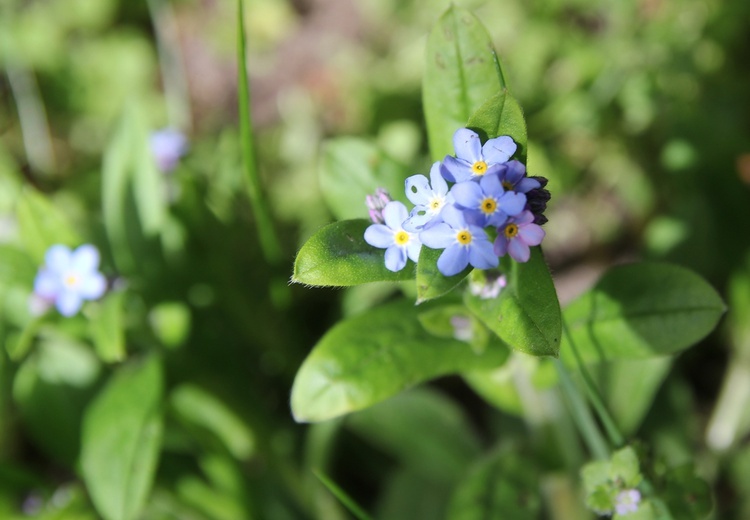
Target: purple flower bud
168,147
375,204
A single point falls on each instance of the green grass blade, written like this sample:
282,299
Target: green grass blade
268,241
339,493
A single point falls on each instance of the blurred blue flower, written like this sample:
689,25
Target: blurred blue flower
486,203
517,235
513,177
464,243
473,160
168,146
67,277
397,242
429,198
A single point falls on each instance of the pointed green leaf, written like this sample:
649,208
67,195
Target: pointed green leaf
42,225
121,439
374,355
431,283
501,115
337,255
461,73
350,169
107,328
641,310
526,314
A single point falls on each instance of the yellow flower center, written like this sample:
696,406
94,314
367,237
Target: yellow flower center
488,206
511,230
464,237
435,204
71,280
479,168
401,238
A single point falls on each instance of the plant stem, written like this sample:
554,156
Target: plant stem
613,432
581,414
268,241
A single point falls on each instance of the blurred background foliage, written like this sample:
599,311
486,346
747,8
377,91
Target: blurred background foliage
638,114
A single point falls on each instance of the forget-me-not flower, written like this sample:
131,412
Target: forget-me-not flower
464,243
391,236
473,159
429,198
486,202
67,277
168,146
516,235
513,177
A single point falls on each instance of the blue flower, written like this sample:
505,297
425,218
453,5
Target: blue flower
486,203
517,235
464,243
513,177
397,242
627,502
168,146
67,278
474,160
429,198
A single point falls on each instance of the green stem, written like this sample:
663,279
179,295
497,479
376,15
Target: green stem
581,414
613,432
268,241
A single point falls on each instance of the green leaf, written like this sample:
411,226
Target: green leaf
350,169
431,283
625,467
42,225
641,310
461,73
337,255
526,314
341,495
171,322
196,406
372,356
501,115
687,496
121,440
424,430
107,328
503,486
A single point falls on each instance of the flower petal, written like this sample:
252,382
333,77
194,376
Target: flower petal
438,236
454,259
378,235
68,303
467,145
512,203
47,284
85,259
500,247
93,286
437,181
417,219
513,172
531,234
395,258
491,185
418,190
454,217
518,250
394,214
455,170
526,184
481,255
527,217
467,194
413,248
57,258
499,149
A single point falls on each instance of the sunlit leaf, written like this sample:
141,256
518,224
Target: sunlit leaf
121,439
461,73
374,355
641,310
501,115
526,314
107,327
42,225
431,283
337,255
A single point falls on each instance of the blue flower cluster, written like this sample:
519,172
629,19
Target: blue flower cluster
489,192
